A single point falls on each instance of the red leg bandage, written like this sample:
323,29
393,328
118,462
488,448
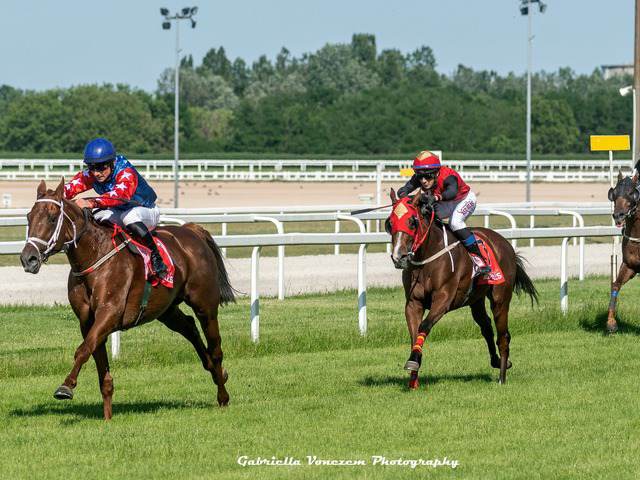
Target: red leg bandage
417,347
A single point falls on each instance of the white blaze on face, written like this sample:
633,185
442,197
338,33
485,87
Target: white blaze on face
395,255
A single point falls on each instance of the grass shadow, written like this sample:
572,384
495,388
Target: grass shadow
402,380
598,324
94,410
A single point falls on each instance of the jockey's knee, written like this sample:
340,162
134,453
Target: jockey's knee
456,224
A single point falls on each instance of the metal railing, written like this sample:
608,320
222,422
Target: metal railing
363,239
323,170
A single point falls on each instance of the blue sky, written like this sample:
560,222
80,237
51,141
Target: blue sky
44,44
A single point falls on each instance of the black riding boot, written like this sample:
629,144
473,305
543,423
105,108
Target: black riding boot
470,243
141,232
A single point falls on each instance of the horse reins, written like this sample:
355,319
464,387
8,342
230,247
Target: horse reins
51,243
420,241
43,256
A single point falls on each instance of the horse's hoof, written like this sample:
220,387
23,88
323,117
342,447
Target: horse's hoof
63,393
414,382
412,366
223,400
612,328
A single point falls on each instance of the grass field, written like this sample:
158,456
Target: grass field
313,386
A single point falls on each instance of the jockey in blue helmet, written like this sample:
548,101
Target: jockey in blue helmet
125,198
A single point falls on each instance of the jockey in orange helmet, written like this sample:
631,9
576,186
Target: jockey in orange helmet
450,197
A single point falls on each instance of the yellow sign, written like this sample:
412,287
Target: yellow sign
406,172
609,142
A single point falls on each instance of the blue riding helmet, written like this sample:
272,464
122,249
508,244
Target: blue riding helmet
99,150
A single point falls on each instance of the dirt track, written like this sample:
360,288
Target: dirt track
242,194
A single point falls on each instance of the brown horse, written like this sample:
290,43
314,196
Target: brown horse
625,196
437,275
108,298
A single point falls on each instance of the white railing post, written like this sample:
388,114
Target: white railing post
224,233
564,287
255,296
362,278
579,220
280,230
532,224
362,289
336,247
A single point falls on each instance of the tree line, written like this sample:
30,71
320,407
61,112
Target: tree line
342,99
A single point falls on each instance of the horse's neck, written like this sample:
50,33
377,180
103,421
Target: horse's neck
632,229
435,241
93,243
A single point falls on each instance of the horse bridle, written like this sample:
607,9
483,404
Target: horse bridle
52,242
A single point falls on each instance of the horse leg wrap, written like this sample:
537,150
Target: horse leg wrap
614,298
415,359
417,347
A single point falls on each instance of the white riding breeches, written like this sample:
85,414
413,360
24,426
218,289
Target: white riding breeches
149,216
457,210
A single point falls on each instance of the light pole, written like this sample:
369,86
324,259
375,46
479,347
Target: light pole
525,9
624,91
186,13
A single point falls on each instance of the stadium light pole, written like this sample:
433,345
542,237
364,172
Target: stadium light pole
525,9
624,91
186,13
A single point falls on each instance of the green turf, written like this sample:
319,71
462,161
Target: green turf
313,386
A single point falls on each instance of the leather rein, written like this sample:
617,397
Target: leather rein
53,240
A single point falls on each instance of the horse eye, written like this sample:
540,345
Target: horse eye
412,223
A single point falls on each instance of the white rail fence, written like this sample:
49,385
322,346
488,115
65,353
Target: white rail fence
257,242
279,216
324,170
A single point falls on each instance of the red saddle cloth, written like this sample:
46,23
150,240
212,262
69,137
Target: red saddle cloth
495,277
167,280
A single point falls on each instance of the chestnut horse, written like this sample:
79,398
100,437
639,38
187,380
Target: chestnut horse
108,296
437,275
625,197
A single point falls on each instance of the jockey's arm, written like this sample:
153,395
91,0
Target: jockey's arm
81,182
409,187
125,187
450,189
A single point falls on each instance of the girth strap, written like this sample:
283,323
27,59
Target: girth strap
144,302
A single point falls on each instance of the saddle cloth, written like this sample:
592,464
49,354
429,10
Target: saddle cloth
145,253
495,277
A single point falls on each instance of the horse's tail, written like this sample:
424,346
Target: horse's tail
227,292
523,282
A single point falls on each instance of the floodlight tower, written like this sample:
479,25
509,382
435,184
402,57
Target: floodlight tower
525,9
186,13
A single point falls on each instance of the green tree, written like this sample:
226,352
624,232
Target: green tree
363,47
215,62
553,126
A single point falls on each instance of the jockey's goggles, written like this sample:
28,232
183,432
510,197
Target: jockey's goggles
430,175
99,167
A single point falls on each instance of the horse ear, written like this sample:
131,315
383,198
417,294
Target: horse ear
42,189
620,176
60,190
394,197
